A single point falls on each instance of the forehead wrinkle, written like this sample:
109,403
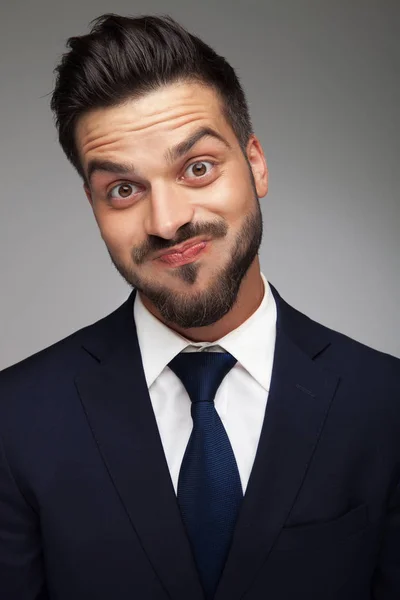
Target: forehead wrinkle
146,123
95,143
171,113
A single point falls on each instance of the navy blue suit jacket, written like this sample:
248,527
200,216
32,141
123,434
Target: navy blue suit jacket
88,510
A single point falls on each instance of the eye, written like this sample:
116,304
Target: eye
199,169
122,191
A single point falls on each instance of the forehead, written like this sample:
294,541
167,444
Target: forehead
157,120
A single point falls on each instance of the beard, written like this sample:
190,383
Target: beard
204,308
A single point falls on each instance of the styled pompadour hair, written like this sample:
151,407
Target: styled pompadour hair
123,58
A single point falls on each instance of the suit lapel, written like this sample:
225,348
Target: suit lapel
299,399
118,407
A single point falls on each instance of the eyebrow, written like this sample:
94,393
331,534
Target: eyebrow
171,155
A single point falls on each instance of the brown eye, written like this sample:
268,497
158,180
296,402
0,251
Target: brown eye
125,190
122,191
199,169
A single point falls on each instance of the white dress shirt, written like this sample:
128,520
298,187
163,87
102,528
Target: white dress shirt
241,398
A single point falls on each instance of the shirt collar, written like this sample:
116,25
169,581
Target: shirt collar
252,343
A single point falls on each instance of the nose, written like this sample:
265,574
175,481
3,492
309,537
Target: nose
169,209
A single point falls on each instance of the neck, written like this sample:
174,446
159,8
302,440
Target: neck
249,298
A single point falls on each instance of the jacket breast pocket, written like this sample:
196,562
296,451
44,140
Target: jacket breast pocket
327,560
351,523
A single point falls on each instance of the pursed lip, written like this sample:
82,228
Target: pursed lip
181,247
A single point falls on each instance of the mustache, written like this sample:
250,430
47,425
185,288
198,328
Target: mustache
154,243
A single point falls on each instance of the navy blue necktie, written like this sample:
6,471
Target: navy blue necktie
209,487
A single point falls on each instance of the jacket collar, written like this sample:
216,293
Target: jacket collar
101,338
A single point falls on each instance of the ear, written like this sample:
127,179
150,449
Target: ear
88,194
258,165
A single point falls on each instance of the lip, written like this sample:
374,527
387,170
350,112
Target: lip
180,248
191,253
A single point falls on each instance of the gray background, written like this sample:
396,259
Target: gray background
322,79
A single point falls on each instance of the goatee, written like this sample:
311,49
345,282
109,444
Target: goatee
209,306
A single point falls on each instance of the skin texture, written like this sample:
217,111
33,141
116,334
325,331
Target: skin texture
210,193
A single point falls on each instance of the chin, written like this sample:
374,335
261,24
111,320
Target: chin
195,277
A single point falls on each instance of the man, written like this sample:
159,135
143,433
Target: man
205,440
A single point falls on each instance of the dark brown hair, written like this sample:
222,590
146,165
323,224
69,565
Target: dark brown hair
125,57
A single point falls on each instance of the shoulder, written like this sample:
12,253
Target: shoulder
368,380
63,359
352,356
342,353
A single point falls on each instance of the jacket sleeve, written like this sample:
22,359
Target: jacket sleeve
21,560
387,576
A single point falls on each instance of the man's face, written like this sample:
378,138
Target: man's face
175,199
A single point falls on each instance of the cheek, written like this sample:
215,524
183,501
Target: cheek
231,202
236,198
119,232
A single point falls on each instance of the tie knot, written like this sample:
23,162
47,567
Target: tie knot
202,372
